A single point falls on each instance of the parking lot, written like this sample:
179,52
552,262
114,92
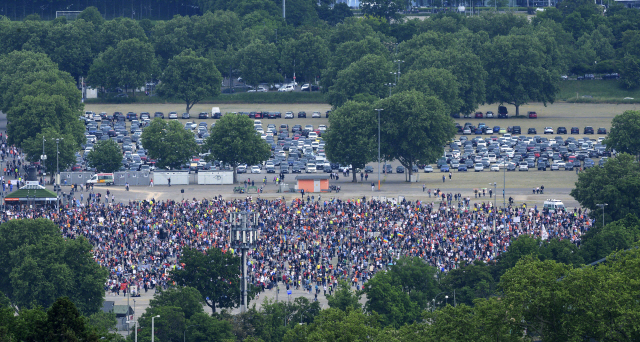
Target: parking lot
518,184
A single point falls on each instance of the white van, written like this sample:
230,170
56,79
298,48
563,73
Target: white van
101,178
552,205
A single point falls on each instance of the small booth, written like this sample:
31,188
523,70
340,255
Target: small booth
313,183
32,193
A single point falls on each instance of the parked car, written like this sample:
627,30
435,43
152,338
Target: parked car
203,115
173,115
489,114
368,169
288,115
561,130
575,130
502,112
428,169
444,168
532,131
462,168
400,169
478,115
186,116
602,130
302,114
532,115
548,130
588,130
478,167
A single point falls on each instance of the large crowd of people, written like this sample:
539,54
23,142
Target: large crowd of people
303,243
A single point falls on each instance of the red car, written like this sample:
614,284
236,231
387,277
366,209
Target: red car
478,115
533,115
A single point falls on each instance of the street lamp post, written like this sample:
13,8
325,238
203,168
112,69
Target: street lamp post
243,237
494,220
504,181
184,334
379,110
153,333
398,74
390,85
602,205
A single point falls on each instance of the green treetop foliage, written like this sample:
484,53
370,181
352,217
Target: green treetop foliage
337,325
600,242
366,77
519,71
259,63
353,138
214,274
440,83
306,56
624,135
387,9
190,78
91,15
617,184
66,146
470,281
386,298
233,140
114,31
169,143
187,298
414,128
105,156
40,266
129,65
630,72
343,298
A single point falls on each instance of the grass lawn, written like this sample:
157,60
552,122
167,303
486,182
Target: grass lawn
596,91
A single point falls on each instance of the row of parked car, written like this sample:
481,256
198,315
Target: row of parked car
521,153
483,128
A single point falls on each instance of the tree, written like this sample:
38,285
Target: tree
343,298
214,274
386,298
169,143
414,128
519,71
39,266
71,46
91,15
233,140
209,329
366,77
417,279
114,31
187,298
65,323
599,242
105,156
536,297
66,146
387,9
305,56
617,184
258,63
130,65
470,281
337,325
190,78
630,72
352,139
440,83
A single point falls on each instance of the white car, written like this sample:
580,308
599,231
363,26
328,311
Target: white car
257,90
478,167
495,167
173,115
305,87
287,88
428,169
548,130
322,128
315,115
288,115
255,169
555,167
523,166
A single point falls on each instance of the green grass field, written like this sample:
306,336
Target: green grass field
594,91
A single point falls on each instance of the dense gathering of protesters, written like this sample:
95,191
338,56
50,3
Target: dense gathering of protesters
304,243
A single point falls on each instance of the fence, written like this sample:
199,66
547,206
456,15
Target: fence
69,178
143,178
215,177
132,177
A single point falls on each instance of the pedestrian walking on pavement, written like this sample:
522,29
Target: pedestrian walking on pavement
443,178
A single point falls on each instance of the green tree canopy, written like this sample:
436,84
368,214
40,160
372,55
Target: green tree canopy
414,128
470,281
352,137
343,298
386,297
187,298
40,266
440,83
91,15
259,63
366,77
129,65
387,9
214,274
617,184
105,156
190,78
599,242
169,143
66,146
519,71
305,55
233,140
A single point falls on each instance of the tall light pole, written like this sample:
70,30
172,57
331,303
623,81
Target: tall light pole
43,157
243,237
504,181
494,221
379,110
390,85
398,74
57,161
153,326
602,205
